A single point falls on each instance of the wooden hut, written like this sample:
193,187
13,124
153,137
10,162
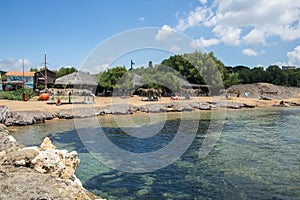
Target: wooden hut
41,76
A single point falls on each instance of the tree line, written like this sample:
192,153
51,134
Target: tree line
272,74
200,68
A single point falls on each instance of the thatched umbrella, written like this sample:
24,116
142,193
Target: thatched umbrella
77,79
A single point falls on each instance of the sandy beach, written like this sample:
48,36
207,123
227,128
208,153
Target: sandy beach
35,105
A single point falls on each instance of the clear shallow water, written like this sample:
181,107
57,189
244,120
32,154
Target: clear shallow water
256,157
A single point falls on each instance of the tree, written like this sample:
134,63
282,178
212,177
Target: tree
232,79
64,71
257,75
276,76
198,67
293,77
109,78
33,69
244,73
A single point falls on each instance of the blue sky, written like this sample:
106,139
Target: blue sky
239,32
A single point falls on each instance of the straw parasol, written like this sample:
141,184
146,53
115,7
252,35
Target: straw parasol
77,78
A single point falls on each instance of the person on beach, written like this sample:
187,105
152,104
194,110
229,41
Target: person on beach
70,96
58,103
52,95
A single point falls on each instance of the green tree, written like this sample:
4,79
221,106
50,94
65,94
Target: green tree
64,71
257,75
276,76
109,78
244,73
33,69
293,77
232,79
198,67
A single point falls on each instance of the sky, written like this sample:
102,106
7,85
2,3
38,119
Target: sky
239,32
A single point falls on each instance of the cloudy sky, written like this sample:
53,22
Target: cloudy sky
239,32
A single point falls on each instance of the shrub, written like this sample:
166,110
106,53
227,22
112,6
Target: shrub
17,94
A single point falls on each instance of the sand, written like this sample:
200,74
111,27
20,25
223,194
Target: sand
35,105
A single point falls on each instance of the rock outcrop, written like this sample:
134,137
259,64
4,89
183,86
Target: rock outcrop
38,172
27,118
33,117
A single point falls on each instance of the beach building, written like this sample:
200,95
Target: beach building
16,79
288,67
1,73
41,76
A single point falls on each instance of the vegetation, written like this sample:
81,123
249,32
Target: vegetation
273,74
199,68
205,68
65,71
59,73
16,94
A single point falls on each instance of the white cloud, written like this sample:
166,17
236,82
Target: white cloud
13,64
141,18
229,35
164,32
175,48
255,36
294,56
194,18
254,21
203,1
252,52
202,42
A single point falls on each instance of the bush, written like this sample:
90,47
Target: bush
17,94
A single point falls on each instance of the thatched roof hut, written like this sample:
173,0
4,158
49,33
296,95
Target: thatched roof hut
76,79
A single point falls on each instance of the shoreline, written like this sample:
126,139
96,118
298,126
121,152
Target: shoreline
20,113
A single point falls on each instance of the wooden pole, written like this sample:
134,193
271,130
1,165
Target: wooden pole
23,73
45,62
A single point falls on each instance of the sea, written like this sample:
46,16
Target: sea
224,154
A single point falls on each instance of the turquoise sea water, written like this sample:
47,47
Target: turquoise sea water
257,156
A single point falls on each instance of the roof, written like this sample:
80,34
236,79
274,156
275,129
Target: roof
15,73
42,72
185,84
76,78
137,80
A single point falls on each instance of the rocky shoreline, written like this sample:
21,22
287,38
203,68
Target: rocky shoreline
38,172
23,118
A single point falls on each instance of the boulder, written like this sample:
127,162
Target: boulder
24,183
19,119
65,114
205,106
23,157
7,142
120,109
48,161
3,113
38,173
153,108
57,163
47,144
